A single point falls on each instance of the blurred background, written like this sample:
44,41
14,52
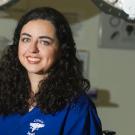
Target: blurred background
106,46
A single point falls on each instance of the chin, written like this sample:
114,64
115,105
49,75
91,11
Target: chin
35,72
39,72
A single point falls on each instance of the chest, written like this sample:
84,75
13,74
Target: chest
33,123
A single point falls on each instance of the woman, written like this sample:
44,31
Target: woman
42,90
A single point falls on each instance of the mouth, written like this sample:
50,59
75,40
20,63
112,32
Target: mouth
33,60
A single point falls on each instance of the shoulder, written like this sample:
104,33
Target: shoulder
82,106
82,117
82,102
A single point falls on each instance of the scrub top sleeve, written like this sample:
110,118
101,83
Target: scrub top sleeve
82,119
95,123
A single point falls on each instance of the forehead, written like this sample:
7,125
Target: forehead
39,26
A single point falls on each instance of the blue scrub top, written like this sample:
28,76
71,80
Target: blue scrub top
78,118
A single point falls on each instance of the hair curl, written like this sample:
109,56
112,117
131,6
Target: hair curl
65,80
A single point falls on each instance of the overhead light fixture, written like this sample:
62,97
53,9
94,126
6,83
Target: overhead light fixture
6,3
124,9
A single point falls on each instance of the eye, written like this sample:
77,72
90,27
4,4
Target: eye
44,42
25,40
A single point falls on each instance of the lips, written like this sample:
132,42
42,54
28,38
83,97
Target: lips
33,60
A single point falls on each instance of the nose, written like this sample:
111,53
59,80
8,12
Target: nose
33,47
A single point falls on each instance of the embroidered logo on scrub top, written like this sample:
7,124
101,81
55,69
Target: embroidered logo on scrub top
35,126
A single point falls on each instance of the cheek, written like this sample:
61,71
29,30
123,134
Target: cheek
51,56
54,55
21,49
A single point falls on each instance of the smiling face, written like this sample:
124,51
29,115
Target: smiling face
38,46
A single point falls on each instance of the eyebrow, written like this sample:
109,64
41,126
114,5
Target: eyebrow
41,37
26,34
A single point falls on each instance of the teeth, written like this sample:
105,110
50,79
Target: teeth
33,59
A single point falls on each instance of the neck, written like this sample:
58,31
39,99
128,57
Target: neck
34,80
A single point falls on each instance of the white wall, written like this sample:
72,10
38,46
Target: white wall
7,27
109,69
113,70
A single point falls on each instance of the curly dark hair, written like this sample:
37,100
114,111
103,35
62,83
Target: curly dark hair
65,80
